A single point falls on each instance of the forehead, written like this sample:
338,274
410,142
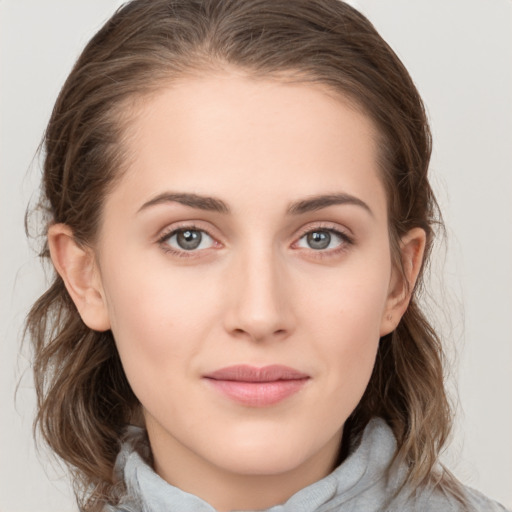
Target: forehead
231,135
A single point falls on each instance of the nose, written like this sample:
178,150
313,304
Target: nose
261,306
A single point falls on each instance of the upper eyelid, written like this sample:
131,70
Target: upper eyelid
325,226
345,239
174,231
183,226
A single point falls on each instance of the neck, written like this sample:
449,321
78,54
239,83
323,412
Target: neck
227,489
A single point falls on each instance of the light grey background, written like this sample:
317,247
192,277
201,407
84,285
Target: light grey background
460,54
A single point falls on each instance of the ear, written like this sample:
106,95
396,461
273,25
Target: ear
412,250
77,267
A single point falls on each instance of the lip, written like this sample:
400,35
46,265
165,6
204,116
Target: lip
257,387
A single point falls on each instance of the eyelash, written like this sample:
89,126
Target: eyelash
346,240
164,238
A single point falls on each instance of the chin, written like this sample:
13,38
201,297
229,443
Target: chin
262,462
264,453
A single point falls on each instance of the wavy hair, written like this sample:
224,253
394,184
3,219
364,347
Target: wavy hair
84,399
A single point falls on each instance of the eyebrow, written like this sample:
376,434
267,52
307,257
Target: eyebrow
210,204
315,203
213,204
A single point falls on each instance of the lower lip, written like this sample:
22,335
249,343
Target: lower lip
258,394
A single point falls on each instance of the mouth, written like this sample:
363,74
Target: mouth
257,387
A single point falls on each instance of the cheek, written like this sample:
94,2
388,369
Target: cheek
349,356
350,300
344,317
159,318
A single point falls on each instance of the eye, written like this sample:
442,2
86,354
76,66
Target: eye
188,239
322,239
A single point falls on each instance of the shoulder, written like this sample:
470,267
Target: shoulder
479,502
375,457
440,499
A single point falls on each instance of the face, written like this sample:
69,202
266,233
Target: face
246,275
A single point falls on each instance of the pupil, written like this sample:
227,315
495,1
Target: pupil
319,239
189,239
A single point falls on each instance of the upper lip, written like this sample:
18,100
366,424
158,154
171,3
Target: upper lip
247,373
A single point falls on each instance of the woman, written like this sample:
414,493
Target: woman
239,216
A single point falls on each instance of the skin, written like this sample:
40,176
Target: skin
255,291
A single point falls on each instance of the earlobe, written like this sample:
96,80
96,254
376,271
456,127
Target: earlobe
412,250
77,268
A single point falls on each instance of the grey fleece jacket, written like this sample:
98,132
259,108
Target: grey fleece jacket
362,483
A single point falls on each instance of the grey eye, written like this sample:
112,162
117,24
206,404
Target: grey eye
322,239
189,239
318,240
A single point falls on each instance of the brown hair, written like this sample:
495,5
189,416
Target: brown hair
84,400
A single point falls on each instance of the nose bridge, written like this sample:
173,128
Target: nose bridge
261,307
